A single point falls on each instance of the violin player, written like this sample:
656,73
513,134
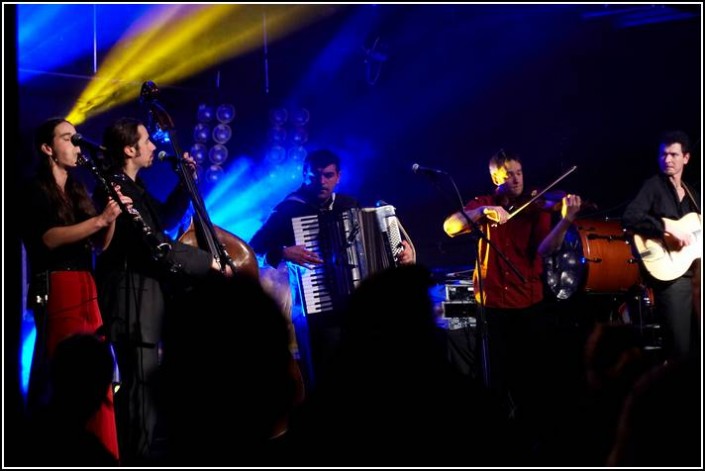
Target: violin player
517,324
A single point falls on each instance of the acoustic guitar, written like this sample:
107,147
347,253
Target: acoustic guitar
662,258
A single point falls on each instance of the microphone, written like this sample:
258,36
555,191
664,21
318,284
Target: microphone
163,156
78,140
416,168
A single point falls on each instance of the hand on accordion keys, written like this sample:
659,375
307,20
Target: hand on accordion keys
299,255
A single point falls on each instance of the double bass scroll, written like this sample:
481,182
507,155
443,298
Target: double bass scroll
225,247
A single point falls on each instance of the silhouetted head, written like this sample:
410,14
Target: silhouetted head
81,373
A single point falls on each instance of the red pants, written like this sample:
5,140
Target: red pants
73,309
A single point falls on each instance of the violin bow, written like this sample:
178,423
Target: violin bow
555,182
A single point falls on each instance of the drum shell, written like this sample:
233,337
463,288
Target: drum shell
595,257
610,266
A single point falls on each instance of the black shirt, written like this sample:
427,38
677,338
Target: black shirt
130,250
40,215
656,199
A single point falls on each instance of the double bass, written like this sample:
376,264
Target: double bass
227,248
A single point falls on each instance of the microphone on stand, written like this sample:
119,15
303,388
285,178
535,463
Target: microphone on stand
174,160
80,141
416,168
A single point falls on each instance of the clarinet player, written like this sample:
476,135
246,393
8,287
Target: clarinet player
60,238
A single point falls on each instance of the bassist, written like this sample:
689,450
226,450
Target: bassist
134,286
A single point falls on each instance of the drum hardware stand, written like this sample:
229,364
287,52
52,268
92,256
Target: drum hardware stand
476,234
649,327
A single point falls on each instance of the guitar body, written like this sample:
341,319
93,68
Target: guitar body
663,259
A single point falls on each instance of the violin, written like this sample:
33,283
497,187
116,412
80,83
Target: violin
535,195
550,201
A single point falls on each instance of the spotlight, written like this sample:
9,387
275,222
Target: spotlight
286,142
279,116
225,113
297,153
214,173
201,133
300,136
277,134
301,117
222,133
204,113
218,154
276,154
198,152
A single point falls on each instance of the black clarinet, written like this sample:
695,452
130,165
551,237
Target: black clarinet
158,248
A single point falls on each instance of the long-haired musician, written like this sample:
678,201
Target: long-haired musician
60,236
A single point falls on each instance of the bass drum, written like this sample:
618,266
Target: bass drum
595,257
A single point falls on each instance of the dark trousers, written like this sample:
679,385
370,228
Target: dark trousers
134,307
135,402
674,307
519,344
461,350
318,338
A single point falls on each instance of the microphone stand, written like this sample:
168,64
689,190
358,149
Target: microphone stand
477,233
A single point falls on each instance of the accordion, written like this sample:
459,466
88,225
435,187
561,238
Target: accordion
353,244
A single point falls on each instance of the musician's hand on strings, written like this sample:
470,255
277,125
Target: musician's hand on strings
678,235
407,256
300,256
496,214
191,164
228,272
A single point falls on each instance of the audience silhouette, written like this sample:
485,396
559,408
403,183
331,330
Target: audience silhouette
227,383
80,373
613,361
390,396
661,422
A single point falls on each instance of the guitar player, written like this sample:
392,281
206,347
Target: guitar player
659,213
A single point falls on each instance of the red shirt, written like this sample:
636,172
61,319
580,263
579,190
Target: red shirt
518,240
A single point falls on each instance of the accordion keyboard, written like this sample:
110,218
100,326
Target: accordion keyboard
352,244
